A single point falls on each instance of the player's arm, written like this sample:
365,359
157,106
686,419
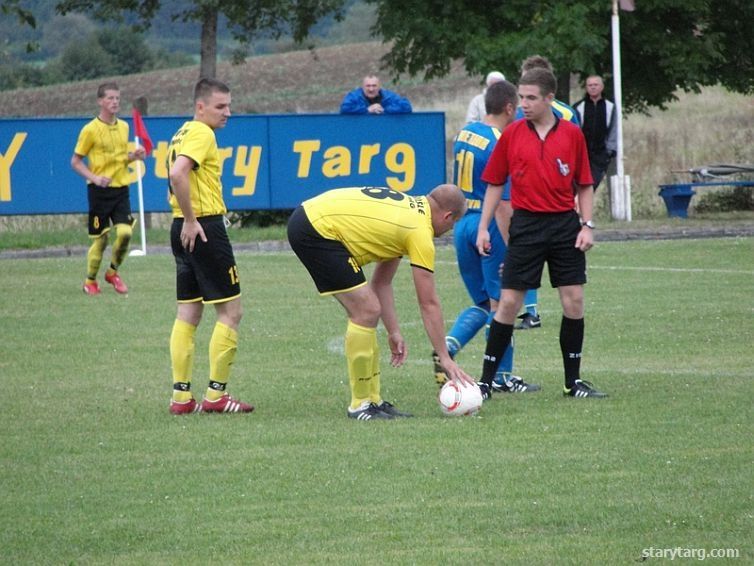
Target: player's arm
585,239
434,324
181,186
382,285
492,197
503,214
78,165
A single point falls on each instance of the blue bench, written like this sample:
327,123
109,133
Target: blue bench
678,195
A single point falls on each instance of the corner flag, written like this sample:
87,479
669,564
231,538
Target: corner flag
140,131
143,139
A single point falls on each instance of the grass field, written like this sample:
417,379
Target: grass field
94,470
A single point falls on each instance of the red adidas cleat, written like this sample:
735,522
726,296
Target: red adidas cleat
91,288
185,408
226,404
117,283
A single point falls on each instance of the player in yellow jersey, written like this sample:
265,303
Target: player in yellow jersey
338,232
104,144
206,271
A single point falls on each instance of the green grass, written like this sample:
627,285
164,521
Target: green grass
30,237
94,470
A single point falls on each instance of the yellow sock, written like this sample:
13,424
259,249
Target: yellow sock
123,234
94,256
359,348
375,395
222,351
182,358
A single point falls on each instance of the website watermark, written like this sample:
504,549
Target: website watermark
689,553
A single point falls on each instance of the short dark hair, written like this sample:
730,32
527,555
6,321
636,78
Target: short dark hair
105,87
499,95
542,78
535,62
205,87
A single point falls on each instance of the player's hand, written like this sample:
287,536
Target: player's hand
455,373
585,239
191,229
483,244
103,181
398,349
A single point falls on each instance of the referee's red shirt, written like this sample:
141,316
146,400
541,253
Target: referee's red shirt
543,173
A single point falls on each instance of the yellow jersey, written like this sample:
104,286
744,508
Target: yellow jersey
105,147
375,224
196,140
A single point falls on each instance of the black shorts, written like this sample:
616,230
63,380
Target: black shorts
536,238
209,273
328,262
107,205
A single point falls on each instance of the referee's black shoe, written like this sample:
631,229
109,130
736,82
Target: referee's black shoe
583,388
485,389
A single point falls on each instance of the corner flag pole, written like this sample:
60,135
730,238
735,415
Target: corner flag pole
623,190
143,250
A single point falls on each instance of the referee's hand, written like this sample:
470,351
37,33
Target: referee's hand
483,244
585,239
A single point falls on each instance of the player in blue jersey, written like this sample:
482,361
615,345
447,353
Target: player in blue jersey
530,317
471,149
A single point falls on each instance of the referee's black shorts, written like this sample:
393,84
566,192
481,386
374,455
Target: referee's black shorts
209,273
329,262
536,238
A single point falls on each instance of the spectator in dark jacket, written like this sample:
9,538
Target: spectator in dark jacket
597,116
371,99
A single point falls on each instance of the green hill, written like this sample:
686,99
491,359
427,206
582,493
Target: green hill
293,82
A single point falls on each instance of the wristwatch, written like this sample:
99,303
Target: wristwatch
589,224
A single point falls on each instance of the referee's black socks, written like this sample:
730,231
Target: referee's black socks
571,342
497,343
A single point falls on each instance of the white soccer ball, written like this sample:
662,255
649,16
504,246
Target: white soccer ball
459,400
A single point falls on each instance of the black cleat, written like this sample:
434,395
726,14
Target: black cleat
440,376
367,413
529,321
583,388
389,409
514,385
485,389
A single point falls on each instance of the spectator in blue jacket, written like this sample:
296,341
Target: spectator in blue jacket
371,99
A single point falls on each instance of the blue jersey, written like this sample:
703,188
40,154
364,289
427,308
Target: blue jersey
472,148
560,109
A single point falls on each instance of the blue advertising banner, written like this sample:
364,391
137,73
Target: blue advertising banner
268,162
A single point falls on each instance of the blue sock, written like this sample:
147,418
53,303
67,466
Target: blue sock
530,302
468,323
505,369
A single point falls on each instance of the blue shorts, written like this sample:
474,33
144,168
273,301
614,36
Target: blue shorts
480,274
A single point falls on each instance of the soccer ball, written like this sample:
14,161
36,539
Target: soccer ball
459,400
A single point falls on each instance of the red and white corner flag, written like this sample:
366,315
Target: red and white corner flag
140,131
143,139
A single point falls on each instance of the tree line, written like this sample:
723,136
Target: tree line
666,45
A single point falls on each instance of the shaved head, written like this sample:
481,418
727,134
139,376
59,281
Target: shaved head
449,198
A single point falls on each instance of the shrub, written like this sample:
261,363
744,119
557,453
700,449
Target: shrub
728,200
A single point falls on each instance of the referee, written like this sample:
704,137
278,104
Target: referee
547,162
